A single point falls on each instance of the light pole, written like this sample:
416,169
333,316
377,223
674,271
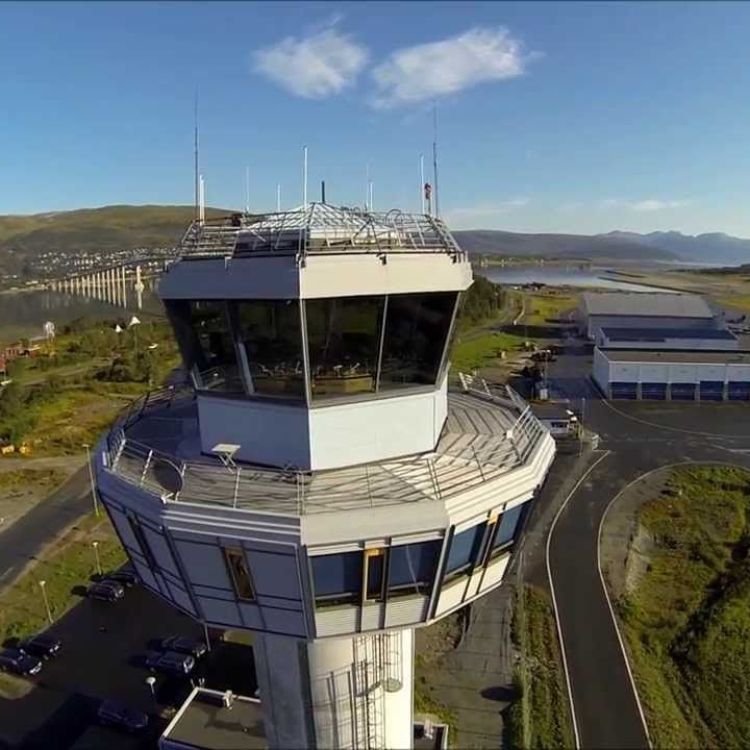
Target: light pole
91,479
151,681
95,545
42,585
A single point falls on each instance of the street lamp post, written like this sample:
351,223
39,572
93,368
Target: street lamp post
91,479
42,585
95,545
151,681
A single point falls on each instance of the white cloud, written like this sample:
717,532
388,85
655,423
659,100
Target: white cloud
316,66
426,71
484,211
644,206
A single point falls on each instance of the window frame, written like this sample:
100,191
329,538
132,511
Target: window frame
367,555
227,552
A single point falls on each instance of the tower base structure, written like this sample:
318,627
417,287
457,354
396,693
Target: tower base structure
337,692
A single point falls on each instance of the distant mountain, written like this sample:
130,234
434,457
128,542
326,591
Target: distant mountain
712,247
567,246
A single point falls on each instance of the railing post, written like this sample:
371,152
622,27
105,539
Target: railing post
236,487
146,465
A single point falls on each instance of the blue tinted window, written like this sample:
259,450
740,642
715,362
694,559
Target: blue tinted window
465,548
412,567
337,578
508,525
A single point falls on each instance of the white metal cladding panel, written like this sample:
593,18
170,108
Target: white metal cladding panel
273,434
160,550
274,574
683,374
654,373
473,588
623,373
739,373
371,616
407,611
712,372
204,564
180,597
451,595
601,369
336,621
220,612
339,275
245,278
494,572
369,431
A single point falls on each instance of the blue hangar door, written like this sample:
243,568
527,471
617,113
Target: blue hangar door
624,390
683,391
654,391
712,390
739,391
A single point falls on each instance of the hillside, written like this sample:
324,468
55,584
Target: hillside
597,247
108,228
713,247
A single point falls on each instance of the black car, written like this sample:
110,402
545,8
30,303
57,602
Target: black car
42,645
106,591
13,660
170,663
115,714
125,577
184,645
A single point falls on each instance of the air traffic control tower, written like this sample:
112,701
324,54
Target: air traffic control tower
318,484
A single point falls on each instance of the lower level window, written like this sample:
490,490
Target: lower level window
239,574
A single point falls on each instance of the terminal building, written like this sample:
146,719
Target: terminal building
318,484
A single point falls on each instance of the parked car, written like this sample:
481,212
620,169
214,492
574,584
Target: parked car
125,577
106,591
170,663
13,660
42,645
116,714
184,645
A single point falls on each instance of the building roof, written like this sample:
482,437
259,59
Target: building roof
662,334
484,437
204,722
557,410
646,304
678,356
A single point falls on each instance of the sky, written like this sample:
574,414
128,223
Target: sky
552,117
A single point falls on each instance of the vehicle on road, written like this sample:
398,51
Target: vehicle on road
124,577
170,663
41,645
115,714
13,660
184,645
106,591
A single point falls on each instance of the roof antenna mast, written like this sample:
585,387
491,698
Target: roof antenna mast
421,182
247,190
435,158
278,197
196,177
304,177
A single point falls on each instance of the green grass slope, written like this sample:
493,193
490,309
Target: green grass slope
687,621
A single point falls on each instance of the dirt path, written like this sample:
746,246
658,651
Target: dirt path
63,463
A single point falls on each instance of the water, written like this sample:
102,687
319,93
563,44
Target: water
561,276
24,313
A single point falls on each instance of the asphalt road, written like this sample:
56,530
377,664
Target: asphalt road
636,438
30,533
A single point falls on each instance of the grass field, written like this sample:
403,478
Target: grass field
540,717
482,350
544,307
69,563
687,621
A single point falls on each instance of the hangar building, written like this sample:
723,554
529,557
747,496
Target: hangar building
661,310
667,338
673,375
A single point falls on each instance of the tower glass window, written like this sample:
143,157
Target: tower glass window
344,343
411,568
465,548
416,330
271,334
506,527
337,578
206,342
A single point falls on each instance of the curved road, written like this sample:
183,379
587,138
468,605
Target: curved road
636,438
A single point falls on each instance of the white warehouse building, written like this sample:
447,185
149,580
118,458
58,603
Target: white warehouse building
667,338
673,375
318,484
661,310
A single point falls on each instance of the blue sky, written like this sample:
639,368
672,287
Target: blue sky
580,117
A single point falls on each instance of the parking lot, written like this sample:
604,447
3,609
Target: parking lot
102,657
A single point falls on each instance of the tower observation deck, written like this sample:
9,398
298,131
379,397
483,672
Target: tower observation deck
317,483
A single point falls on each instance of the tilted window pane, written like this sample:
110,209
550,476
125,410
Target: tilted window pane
205,339
337,578
375,571
271,333
344,341
412,567
465,548
416,329
508,525
239,573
